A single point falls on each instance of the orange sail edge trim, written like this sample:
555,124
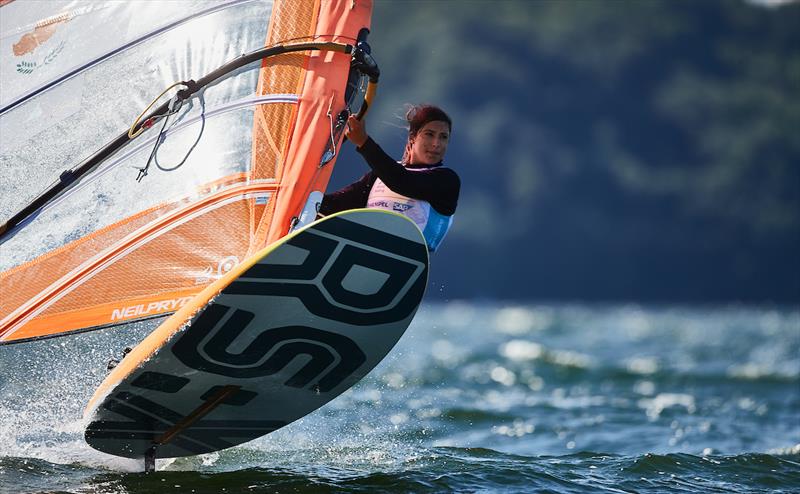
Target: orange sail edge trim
304,19
16,322
325,81
102,316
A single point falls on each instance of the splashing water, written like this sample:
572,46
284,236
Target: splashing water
475,397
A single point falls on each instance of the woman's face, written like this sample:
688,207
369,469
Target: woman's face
430,143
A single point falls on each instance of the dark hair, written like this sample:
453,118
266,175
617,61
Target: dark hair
419,115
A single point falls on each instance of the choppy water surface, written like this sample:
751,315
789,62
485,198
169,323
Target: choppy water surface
490,398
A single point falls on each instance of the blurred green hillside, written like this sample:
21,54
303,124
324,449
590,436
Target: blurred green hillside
609,150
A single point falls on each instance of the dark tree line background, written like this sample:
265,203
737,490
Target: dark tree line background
635,150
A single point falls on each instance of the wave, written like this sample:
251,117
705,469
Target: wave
439,469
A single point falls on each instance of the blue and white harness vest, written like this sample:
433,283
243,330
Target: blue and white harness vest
434,225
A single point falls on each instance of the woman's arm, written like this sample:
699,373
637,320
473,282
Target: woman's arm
352,196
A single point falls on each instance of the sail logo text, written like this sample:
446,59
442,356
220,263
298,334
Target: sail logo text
151,308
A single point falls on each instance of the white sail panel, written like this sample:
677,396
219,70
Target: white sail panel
64,124
47,41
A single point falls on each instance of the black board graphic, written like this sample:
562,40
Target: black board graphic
343,290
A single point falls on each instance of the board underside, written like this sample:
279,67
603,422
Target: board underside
296,329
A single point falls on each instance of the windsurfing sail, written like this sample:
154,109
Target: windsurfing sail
136,223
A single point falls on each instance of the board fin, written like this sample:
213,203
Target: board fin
213,401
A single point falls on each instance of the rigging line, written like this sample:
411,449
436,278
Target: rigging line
147,123
77,70
68,177
162,136
159,140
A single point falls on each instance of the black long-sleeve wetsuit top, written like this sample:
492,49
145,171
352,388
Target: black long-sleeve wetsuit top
436,184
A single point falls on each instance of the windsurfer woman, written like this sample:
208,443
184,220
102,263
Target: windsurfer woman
419,186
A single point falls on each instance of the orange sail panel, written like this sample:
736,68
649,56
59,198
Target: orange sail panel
235,167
